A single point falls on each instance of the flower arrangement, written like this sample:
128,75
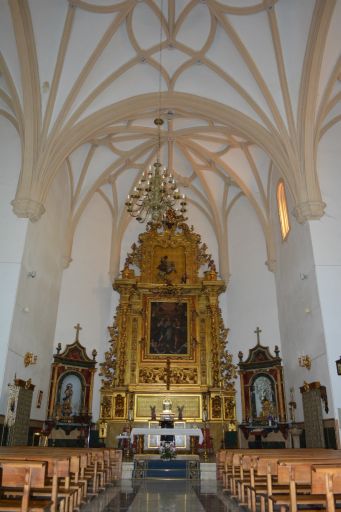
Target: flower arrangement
167,450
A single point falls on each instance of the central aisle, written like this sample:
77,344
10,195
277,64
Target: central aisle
166,496
162,496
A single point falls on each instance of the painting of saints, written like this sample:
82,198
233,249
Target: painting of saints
168,328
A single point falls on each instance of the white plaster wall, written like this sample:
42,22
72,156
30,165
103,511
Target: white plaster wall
299,311
86,292
12,234
251,296
36,302
326,242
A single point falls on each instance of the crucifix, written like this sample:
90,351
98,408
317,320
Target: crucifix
78,328
168,372
258,331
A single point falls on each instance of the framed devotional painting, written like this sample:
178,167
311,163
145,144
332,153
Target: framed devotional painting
168,328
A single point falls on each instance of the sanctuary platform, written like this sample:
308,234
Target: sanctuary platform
183,466
153,466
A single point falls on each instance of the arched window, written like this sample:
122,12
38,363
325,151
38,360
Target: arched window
283,210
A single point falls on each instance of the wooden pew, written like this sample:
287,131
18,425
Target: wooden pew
256,471
58,467
220,463
115,457
326,479
299,472
265,482
24,475
269,465
75,473
80,462
227,471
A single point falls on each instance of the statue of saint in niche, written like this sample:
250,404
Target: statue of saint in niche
67,400
264,401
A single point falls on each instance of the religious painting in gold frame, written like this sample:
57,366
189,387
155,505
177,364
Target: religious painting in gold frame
169,264
168,331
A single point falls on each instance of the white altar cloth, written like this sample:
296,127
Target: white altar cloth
167,432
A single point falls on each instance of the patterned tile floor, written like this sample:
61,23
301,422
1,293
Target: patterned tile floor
162,496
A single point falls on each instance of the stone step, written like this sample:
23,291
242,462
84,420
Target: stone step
207,471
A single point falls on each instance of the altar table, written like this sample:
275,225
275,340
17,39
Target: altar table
196,432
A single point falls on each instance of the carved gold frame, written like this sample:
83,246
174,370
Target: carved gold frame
167,301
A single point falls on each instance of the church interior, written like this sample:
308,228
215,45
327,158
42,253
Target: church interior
170,254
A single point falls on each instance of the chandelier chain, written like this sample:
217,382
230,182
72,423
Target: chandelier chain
156,192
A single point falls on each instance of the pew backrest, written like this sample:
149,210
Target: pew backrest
17,473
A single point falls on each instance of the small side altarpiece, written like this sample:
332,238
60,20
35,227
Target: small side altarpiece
262,391
168,338
71,388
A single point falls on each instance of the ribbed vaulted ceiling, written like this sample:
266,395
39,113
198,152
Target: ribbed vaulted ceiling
246,88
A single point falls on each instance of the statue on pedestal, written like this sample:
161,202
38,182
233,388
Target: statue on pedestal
167,413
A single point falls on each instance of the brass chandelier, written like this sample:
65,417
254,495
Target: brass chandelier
156,193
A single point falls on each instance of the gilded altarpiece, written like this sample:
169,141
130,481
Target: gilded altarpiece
168,337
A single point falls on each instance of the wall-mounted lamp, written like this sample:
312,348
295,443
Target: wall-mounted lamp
338,366
29,359
304,361
32,274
